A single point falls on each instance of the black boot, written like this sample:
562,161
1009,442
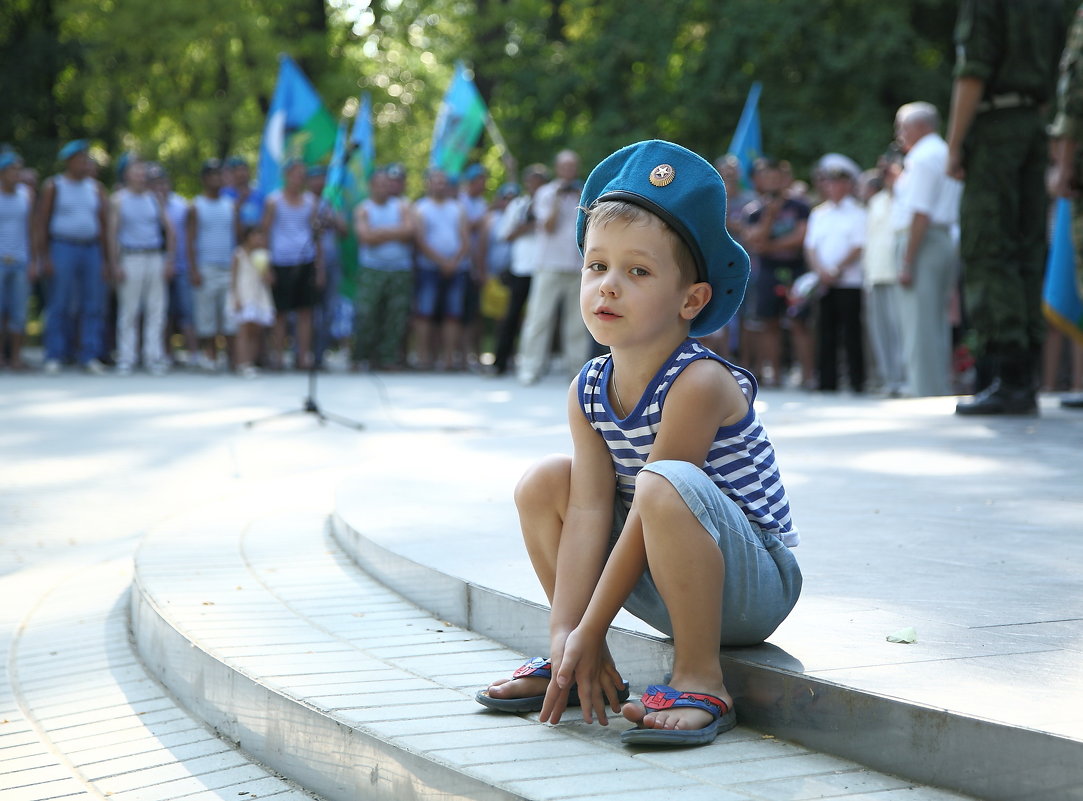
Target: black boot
1012,392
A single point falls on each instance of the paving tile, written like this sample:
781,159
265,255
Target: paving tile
173,743
158,757
449,725
70,734
736,745
139,729
324,646
265,787
420,712
350,678
35,758
386,698
618,781
909,794
476,738
674,792
31,776
179,788
841,784
58,719
61,788
520,753
731,774
134,778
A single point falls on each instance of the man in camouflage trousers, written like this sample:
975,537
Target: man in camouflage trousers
1067,130
1006,69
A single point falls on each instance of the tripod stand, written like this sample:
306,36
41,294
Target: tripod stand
310,406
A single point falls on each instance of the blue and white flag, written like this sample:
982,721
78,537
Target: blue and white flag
458,124
1062,293
747,144
298,126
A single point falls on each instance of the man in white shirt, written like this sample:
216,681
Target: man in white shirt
555,285
925,208
834,247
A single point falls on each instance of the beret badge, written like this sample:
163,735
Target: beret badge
662,175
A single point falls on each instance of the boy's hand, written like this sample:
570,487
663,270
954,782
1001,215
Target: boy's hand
587,663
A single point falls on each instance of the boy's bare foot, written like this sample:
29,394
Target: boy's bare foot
683,718
523,692
518,688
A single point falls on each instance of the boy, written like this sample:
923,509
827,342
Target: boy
697,542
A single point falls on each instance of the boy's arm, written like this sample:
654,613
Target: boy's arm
587,522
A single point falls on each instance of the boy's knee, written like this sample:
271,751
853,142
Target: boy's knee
655,488
544,482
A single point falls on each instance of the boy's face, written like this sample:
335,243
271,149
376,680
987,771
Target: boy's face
631,293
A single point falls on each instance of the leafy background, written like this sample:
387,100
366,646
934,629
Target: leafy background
184,80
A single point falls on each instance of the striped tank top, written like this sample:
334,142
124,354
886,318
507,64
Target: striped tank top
741,462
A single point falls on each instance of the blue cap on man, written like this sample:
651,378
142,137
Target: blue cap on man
8,158
72,148
688,195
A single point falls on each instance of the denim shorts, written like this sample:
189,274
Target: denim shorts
439,295
181,301
14,295
763,580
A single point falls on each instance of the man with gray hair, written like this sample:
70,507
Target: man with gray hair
925,208
555,285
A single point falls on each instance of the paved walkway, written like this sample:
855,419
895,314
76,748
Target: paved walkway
968,530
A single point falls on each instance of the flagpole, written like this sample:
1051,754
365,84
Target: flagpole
498,138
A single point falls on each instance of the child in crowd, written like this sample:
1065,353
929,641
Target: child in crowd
250,296
671,504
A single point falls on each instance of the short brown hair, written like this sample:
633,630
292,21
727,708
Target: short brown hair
608,211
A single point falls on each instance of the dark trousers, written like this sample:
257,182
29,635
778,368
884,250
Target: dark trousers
840,324
1003,221
513,320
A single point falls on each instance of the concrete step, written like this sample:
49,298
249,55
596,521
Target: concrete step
269,632
928,733
84,719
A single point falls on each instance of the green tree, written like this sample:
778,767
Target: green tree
184,80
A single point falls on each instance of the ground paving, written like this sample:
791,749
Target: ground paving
969,530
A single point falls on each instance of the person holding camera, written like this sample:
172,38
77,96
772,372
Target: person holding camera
555,285
776,234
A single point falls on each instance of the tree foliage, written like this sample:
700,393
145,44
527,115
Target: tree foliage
183,80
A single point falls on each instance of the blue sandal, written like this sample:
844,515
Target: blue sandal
542,668
659,697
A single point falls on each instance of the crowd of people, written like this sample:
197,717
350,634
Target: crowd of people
860,265
855,274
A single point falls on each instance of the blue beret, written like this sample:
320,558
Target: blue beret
686,193
474,171
7,158
73,147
